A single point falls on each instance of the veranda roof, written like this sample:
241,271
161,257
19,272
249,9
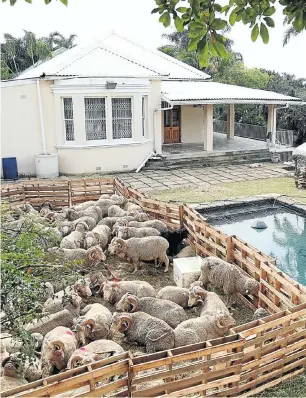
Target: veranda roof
208,92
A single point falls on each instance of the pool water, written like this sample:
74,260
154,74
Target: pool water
284,239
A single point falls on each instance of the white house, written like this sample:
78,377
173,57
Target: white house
107,106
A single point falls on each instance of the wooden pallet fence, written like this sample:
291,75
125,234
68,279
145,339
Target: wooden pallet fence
55,192
13,193
92,380
90,189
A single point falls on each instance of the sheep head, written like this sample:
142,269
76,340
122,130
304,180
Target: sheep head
84,329
251,286
66,228
122,322
72,215
196,295
74,300
224,321
111,292
81,226
12,366
128,303
123,233
142,217
81,287
97,279
95,255
57,354
90,240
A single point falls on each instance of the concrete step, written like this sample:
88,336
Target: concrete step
225,159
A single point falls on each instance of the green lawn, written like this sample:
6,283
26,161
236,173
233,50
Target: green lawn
282,186
295,387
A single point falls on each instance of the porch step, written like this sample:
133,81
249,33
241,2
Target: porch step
226,158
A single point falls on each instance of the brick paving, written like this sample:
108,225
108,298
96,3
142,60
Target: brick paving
152,180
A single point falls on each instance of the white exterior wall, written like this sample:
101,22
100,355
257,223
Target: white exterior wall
20,123
192,124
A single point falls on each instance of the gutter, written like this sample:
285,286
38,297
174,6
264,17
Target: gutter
41,118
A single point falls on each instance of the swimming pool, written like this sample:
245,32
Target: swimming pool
284,238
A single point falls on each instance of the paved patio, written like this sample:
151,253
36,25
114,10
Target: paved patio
201,177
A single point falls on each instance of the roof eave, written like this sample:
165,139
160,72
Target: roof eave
233,101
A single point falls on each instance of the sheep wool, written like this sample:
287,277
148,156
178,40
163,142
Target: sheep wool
113,291
178,295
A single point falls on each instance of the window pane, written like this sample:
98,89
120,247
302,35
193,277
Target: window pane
95,118
122,117
176,117
167,120
68,118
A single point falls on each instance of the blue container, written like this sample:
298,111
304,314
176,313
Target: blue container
9,168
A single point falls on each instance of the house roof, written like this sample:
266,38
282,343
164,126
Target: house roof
191,92
114,56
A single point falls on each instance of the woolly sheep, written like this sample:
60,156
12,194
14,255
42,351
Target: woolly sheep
84,205
188,251
93,255
98,236
205,302
105,204
66,228
116,211
94,351
222,274
178,295
62,300
130,206
109,221
105,196
94,324
12,374
145,249
58,346
202,329
45,209
168,311
93,211
157,224
113,291
144,329
260,313
131,232
76,238
90,221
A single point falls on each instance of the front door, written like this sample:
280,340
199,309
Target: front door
172,125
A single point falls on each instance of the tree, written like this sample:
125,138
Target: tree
61,41
204,22
290,32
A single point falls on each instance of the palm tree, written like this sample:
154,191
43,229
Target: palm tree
31,44
289,33
60,40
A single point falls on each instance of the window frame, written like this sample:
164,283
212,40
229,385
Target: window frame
144,116
64,119
121,140
101,140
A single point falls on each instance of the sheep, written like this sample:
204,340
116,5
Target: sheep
12,374
64,317
84,205
94,351
45,209
116,211
157,224
145,249
174,238
187,251
203,328
76,238
63,300
222,274
130,206
105,196
55,217
168,311
144,329
131,232
205,302
178,295
260,313
109,221
98,236
90,221
66,228
58,346
105,204
94,324
48,290
93,255
93,211
113,291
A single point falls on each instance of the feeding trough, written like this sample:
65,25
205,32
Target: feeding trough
259,225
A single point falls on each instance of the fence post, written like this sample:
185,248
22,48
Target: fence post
181,214
69,193
229,248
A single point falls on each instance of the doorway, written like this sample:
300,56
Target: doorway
172,122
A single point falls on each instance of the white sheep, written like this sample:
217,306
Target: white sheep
157,224
116,211
94,324
13,376
203,328
93,211
105,196
130,206
105,204
188,251
45,209
113,291
98,236
145,249
76,238
90,221
168,311
66,228
222,274
260,313
94,351
205,302
131,232
178,295
84,205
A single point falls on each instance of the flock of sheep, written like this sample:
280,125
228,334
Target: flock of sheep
74,333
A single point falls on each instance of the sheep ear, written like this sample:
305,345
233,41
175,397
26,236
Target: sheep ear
125,325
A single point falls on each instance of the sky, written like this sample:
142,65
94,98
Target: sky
92,19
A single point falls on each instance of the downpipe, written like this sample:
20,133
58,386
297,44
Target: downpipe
41,118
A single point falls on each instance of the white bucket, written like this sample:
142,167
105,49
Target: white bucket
46,165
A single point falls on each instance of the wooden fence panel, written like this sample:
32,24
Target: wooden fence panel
89,189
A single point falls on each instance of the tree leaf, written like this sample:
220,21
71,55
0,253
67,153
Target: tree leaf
203,56
48,1
193,44
178,24
182,9
269,21
232,18
220,48
264,33
65,2
218,24
29,1
269,11
155,10
298,23
255,32
165,19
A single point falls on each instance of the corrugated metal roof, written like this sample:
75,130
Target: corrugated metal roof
114,56
212,92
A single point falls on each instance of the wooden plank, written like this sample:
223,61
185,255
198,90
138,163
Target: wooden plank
110,387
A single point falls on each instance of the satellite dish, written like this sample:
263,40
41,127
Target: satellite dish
259,225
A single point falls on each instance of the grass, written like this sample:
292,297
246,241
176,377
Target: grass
281,186
295,387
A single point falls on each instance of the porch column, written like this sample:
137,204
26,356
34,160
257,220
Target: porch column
208,127
271,126
230,121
